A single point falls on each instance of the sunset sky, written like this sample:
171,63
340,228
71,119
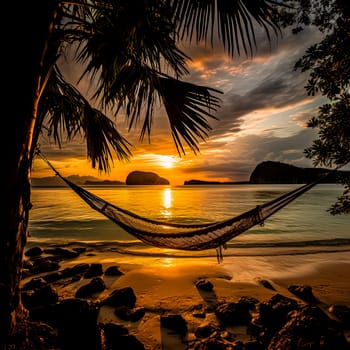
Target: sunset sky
263,117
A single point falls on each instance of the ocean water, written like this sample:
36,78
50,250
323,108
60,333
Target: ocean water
60,216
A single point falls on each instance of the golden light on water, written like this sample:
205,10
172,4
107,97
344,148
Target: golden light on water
167,198
167,262
167,202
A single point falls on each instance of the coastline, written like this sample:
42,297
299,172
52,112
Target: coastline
166,285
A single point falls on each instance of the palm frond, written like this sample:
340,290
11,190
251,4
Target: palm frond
138,88
233,19
69,114
135,90
100,132
187,106
132,31
128,51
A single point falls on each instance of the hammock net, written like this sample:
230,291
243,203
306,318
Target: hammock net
185,236
179,236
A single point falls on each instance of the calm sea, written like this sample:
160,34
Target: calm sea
59,215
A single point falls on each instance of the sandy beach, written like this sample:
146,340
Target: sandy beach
166,286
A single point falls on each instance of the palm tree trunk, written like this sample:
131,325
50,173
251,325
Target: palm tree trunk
27,41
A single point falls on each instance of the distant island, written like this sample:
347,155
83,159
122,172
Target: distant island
270,172
145,178
56,181
267,172
134,178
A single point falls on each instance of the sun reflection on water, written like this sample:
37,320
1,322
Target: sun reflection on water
167,262
167,202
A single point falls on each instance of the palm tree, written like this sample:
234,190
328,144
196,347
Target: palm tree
131,50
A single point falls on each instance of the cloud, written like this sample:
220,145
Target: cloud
262,117
266,81
236,160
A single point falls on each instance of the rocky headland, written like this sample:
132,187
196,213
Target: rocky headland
270,172
145,178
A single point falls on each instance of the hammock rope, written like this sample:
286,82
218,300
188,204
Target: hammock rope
191,237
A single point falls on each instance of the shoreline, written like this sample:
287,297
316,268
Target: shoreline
166,285
234,249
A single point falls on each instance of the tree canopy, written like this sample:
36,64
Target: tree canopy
328,64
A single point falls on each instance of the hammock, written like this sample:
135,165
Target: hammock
179,236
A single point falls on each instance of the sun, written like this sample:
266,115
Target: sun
166,161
